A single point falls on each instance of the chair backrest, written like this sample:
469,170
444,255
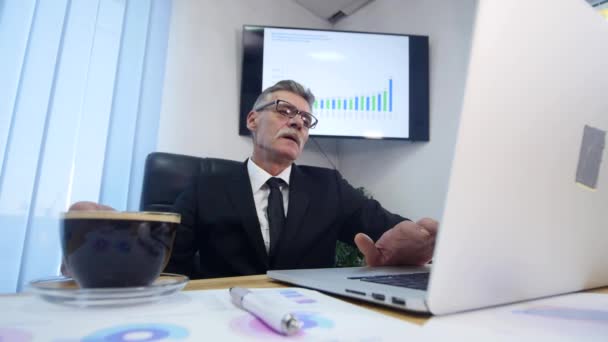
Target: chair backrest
166,175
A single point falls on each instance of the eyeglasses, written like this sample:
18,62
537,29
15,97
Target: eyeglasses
288,110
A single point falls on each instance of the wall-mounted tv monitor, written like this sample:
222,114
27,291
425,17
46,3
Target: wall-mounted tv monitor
367,85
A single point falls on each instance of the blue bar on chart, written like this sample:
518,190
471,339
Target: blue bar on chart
379,103
367,103
390,95
333,104
321,104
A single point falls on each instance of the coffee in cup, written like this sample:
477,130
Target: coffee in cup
117,249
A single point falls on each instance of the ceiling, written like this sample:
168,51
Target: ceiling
332,10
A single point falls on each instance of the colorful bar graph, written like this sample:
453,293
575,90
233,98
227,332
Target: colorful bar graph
381,101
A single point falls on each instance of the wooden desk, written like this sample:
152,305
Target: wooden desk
262,281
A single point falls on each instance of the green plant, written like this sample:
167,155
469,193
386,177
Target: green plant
348,255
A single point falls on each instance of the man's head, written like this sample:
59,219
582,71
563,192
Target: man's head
279,122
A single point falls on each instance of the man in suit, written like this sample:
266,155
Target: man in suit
270,213
235,224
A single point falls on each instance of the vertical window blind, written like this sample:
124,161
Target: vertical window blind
79,108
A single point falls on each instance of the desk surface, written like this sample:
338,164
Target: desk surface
258,281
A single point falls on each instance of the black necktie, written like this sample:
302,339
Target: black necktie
275,211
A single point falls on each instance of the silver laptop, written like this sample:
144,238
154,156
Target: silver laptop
526,212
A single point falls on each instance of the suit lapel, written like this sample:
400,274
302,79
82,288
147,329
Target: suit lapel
239,189
299,186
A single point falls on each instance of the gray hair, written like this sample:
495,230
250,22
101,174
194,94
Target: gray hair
287,85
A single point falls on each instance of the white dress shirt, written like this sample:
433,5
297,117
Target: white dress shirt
258,178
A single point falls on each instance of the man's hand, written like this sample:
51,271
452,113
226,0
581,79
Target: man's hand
88,206
407,243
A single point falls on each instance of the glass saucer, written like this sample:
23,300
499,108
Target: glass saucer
62,290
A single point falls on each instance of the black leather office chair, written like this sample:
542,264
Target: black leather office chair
166,175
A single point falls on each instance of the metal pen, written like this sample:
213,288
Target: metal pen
277,319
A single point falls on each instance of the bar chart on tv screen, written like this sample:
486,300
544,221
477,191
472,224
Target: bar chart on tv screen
360,81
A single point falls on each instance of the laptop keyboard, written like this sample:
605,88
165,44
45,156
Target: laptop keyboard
418,281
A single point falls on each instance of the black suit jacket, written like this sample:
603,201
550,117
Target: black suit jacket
219,221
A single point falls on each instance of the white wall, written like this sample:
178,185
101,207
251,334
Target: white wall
200,107
411,178
201,96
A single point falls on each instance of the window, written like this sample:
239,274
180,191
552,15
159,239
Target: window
79,109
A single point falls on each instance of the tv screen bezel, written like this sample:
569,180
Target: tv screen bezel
419,116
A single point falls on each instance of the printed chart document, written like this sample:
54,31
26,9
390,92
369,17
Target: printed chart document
196,316
574,317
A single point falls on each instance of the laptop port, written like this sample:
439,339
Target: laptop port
398,301
355,292
378,296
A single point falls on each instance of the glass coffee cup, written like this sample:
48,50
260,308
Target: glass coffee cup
104,249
